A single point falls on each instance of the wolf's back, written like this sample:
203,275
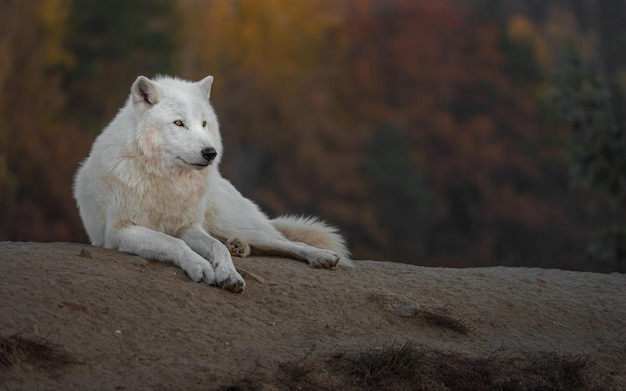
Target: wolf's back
314,232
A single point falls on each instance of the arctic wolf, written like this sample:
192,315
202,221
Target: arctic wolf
151,187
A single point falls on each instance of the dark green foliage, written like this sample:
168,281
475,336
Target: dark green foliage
597,148
389,165
407,203
521,65
113,42
607,249
598,144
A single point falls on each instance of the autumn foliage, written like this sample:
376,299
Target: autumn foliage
417,127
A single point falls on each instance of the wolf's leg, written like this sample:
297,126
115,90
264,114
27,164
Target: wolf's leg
158,246
237,219
315,256
277,244
226,276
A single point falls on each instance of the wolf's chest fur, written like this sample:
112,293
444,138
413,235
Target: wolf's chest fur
164,203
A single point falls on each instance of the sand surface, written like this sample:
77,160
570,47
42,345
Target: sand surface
134,324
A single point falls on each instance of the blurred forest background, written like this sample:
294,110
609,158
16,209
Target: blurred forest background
440,133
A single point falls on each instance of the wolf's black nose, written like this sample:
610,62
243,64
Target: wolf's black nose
209,154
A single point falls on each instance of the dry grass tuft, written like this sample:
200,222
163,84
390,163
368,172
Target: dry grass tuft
409,367
15,350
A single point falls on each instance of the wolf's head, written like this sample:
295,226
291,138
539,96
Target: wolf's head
176,125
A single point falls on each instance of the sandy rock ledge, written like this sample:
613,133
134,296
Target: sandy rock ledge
74,316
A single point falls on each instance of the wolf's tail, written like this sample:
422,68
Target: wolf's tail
315,233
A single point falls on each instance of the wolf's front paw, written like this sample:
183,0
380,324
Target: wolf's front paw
237,247
324,259
194,272
199,269
208,274
233,282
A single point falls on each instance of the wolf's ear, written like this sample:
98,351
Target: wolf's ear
205,86
144,92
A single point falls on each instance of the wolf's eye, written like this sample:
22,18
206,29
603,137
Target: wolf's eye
203,124
179,123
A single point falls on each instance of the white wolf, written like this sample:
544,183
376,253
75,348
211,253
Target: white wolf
151,187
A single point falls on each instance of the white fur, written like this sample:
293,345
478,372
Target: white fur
148,188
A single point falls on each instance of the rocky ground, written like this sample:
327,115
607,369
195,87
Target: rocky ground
78,317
